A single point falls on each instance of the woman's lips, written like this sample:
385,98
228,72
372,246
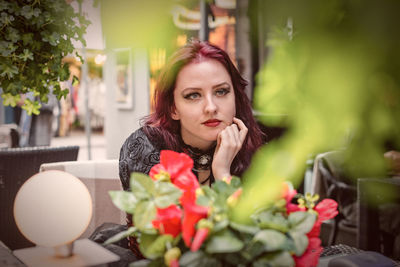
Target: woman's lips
212,123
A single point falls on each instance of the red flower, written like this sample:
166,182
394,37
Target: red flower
193,213
290,207
168,220
173,163
327,209
315,231
311,255
287,193
199,238
176,167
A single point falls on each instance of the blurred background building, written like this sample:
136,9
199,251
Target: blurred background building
127,44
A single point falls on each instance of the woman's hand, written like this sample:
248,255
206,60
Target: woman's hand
229,142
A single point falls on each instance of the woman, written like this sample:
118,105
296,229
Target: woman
200,109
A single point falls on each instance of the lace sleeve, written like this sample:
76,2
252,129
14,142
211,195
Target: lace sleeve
137,155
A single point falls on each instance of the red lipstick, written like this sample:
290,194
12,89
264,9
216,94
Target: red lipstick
212,123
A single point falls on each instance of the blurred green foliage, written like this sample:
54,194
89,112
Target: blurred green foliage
34,38
337,81
138,23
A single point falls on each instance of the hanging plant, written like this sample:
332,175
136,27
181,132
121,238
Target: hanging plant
35,36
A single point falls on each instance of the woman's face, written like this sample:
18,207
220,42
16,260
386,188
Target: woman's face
205,102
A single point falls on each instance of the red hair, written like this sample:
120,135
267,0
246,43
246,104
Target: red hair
162,126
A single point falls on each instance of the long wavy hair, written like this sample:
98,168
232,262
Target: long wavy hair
160,125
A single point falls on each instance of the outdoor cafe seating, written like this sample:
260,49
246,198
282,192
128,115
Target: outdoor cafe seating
358,228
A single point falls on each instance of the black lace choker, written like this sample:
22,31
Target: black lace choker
202,159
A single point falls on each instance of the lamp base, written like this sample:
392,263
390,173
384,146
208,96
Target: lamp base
85,253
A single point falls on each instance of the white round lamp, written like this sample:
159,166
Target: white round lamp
52,209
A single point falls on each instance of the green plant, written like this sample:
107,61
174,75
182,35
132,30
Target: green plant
337,79
35,36
178,223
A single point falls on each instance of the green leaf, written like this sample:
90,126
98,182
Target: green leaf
272,240
301,222
154,246
208,192
27,38
125,201
10,100
236,182
202,200
36,12
75,80
12,35
300,242
27,11
279,259
26,55
253,250
159,262
142,184
31,107
268,220
198,259
223,242
220,225
243,228
144,213
221,187
140,263
120,235
192,259
166,194
9,71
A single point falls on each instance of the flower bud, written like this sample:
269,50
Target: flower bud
199,192
171,257
227,179
233,199
204,223
204,227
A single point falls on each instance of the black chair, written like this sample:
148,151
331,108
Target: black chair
379,215
16,166
337,185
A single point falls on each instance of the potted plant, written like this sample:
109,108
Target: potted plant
35,36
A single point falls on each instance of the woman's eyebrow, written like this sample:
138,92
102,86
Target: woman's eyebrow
198,88
220,84
191,88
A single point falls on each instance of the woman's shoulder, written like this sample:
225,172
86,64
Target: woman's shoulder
136,135
138,146
138,154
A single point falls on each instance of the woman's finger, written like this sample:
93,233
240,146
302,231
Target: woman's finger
242,129
235,131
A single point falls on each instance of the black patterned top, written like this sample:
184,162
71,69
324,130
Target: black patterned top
140,153
137,154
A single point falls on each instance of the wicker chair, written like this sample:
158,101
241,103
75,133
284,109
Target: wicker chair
16,166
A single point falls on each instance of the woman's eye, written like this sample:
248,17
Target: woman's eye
222,92
192,96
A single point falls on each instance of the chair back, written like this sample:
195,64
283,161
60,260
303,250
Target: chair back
379,215
331,181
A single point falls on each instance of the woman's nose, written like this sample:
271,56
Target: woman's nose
210,105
